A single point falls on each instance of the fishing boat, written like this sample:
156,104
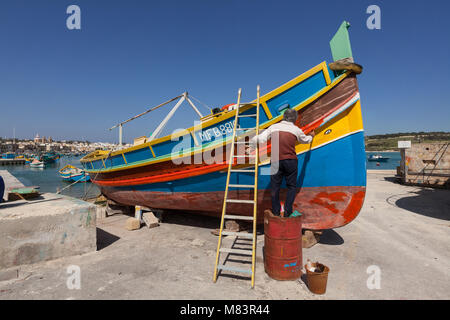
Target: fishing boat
378,158
175,172
37,164
72,174
9,155
49,157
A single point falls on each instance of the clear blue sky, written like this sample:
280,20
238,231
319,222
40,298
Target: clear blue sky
131,55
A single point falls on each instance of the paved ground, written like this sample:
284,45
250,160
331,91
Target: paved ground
402,231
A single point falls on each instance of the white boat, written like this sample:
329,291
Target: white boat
378,158
36,164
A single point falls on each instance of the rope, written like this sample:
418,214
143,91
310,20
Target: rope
86,192
204,104
58,192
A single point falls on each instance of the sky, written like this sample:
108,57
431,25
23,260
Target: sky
131,55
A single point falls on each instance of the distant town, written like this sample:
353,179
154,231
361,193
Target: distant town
47,144
37,145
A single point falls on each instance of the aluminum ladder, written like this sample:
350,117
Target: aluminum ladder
254,170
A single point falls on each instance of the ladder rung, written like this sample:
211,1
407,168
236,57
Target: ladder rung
242,170
230,216
241,142
238,251
247,115
246,128
238,234
247,156
240,201
246,103
227,268
241,185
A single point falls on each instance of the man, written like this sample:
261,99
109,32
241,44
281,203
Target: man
284,163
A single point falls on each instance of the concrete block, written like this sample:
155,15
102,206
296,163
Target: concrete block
150,220
101,212
310,238
50,227
232,225
132,224
113,208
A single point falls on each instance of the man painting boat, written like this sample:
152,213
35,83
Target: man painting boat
284,163
331,182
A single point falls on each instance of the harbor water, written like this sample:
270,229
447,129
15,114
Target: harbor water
391,164
49,180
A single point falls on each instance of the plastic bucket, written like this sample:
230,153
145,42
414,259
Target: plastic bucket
317,282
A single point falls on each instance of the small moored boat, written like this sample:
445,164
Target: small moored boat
378,158
50,157
9,155
37,164
71,173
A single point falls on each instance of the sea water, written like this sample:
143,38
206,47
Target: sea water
49,180
391,164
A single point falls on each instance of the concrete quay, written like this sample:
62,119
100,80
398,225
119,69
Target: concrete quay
7,162
10,182
401,235
48,227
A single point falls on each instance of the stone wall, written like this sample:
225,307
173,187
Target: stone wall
428,164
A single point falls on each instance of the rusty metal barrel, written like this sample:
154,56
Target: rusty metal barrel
282,246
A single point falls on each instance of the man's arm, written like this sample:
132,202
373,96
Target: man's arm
262,138
303,138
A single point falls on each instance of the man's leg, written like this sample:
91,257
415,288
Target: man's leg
275,180
290,168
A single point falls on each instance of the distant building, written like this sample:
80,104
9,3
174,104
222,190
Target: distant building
37,139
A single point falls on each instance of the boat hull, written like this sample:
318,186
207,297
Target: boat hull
322,207
73,178
379,160
331,188
39,165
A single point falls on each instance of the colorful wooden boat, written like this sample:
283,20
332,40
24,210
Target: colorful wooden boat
332,170
9,155
72,174
50,157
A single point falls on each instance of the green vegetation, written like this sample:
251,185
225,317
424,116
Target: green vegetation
385,142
